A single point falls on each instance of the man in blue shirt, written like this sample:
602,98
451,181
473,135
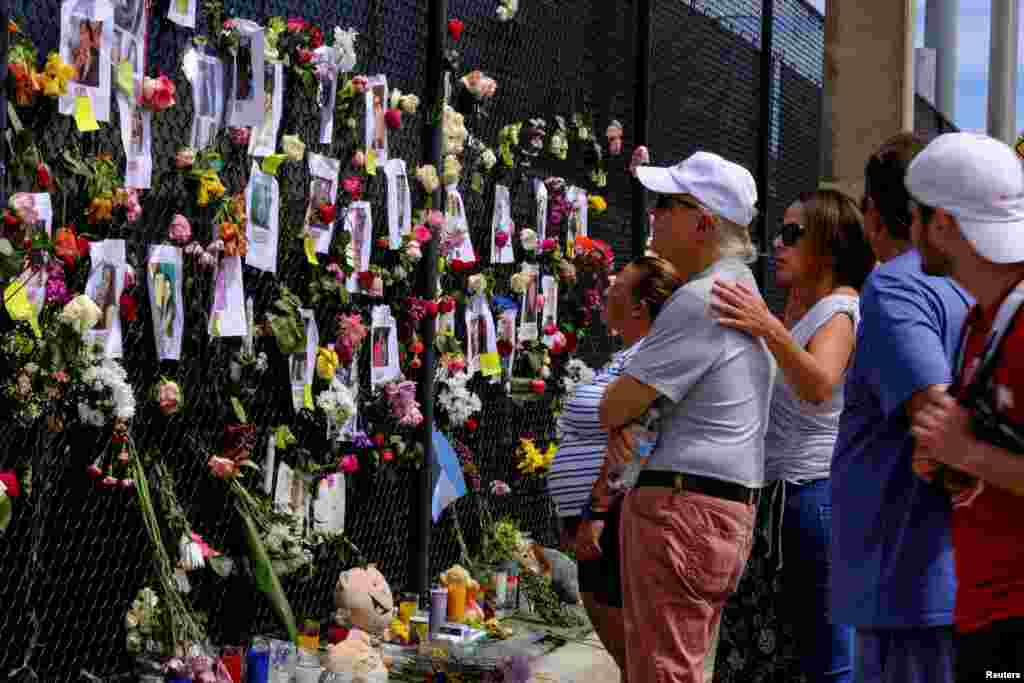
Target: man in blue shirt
892,560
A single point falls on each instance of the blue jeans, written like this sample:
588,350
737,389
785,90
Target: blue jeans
826,649
906,655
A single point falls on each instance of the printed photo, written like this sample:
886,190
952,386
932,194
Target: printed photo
321,190
380,130
266,133
532,311
86,41
298,367
507,328
243,70
262,201
106,296
403,191
165,277
138,134
360,235
381,336
473,339
481,329
129,15
125,49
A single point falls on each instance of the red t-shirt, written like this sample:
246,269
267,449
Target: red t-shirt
988,533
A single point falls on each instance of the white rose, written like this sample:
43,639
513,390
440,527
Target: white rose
528,238
409,103
520,282
82,312
477,283
413,251
488,159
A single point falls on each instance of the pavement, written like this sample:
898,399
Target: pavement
582,661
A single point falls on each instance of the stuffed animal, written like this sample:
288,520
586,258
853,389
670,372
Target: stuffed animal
355,655
562,571
363,599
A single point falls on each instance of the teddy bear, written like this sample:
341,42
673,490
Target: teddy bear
363,599
355,655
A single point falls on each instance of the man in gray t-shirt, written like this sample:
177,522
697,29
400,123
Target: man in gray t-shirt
688,525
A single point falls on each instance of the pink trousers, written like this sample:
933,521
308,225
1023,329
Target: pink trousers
683,555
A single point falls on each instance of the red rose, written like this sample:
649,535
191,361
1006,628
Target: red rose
571,340
296,24
455,28
316,37
472,424
129,309
415,363
94,471
365,279
83,247
505,347
387,456
432,308
378,440
327,213
393,117
305,56
446,305
417,347
382,243
538,386
460,266
10,480
550,329
43,178
10,219
336,634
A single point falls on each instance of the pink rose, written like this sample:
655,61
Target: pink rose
393,118
305,56
157,94
349,464
169,397
548,244
180,230
550,330
240,136
359,159
230,24
501,238
297,24
435,219
353,185
222,468
456,365
422,233
413,251
129,278
360,84
377,288
538,302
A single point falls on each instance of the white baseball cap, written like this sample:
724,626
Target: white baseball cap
979,181
725,188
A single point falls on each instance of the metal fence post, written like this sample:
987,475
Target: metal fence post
431,141
765,142
4,41
642,108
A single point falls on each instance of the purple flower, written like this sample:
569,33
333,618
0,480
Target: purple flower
56,291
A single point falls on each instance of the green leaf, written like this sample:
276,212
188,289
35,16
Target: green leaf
263,573
221,565
6,510
239,410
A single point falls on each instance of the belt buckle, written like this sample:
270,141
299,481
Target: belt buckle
679,483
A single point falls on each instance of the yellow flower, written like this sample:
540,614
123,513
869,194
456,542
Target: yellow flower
209,187
326,363
531,460
598,204
59,73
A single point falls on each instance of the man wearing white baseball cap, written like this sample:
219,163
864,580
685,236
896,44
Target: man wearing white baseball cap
968,193
687,526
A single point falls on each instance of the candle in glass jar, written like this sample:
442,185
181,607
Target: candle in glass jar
457,603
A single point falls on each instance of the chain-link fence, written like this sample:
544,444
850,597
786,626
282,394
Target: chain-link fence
75,556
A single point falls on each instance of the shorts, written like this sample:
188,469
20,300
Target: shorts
603,577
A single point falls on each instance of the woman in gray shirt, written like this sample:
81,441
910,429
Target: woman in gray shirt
823,257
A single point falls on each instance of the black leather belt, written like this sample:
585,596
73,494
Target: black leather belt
707,486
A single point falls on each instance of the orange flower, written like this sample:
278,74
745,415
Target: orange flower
584,243
65,245
101,209
234,240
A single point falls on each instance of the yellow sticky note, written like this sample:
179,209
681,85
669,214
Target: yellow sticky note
307,397
19,307
310,247
490,364
85,119
371,162
272,162
126,78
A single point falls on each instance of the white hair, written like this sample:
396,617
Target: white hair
734,241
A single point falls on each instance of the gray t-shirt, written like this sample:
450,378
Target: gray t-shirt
715,385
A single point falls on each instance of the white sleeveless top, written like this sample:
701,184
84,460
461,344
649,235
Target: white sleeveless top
801,435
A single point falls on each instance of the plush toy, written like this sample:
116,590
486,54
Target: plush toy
363,599
556,566
355,655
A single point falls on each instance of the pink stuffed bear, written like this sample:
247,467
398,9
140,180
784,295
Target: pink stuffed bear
363,599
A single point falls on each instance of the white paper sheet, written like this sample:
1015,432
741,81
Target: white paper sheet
323,189
208,95
34,281
376,128
577,219
137,138
384,347
302,365
329,504
105,284
262,197
247,95
327,90
399,202
227,313
290,492
350,378
263,141
501,221
182,12
163,278
540,193
480,332
507,332
549,285
87,36
359,224
530,322
455,211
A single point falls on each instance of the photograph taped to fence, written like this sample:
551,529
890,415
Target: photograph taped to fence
329,504
481,342
531,305
182,12
137,138
163,280
207,76
456,224
104,287
376,99
399,202
576,225
501,221
263,141
384,347
540,194
302,364
326,60
248,101
549,287
227,312
262,197
38,210
87,36
359,224
323,189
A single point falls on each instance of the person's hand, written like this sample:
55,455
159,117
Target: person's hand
740,308
588,539
621,445
942,429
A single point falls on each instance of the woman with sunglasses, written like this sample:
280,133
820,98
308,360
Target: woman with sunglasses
823,258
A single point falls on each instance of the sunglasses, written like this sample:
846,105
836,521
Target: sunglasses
790,233
667,201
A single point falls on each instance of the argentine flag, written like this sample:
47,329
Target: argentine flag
447,472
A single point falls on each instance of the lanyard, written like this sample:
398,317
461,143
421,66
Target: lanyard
1004,316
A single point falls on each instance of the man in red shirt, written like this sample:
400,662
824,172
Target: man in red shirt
968,213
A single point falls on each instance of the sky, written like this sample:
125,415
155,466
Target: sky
972,76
